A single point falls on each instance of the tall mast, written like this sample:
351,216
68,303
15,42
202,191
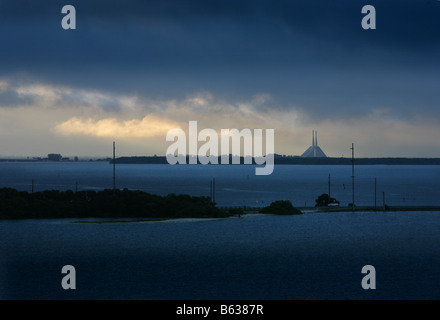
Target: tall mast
114,167
352,173
314,145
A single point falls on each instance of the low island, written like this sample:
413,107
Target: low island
109,203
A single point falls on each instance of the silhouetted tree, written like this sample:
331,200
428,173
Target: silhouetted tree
324,200
281,207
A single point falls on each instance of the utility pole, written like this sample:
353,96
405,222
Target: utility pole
32,186
375,193
329,186
114,166
352,173
213,190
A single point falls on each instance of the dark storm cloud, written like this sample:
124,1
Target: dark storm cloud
10,98
308,54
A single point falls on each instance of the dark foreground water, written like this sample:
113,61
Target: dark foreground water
311,256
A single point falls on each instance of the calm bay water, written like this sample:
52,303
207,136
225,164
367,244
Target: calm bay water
237,185
310,256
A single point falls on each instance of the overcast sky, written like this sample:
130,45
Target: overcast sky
132,70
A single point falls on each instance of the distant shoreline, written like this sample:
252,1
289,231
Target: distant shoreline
252,213
378,208
372,209
278,160
289,160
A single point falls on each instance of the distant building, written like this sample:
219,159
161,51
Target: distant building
54,157
314,151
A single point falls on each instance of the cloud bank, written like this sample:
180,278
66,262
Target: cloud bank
147,127
84,122
132,69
